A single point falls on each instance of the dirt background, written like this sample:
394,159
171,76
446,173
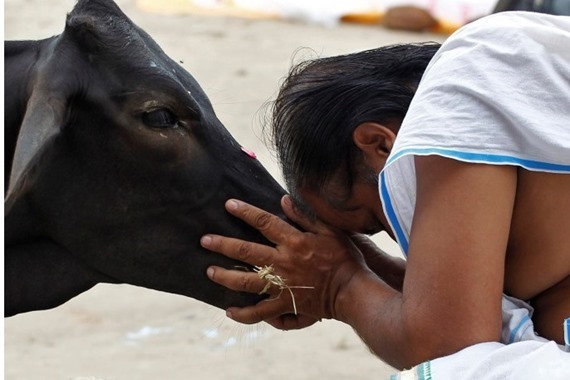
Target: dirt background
122,332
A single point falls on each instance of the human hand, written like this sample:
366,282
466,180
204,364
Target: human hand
314,266
389,268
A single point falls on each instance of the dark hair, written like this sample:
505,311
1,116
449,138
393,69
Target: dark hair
322,101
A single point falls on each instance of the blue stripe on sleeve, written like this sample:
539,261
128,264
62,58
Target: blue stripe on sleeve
391,215
485,158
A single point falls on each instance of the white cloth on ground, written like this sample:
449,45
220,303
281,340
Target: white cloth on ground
521,355
528,360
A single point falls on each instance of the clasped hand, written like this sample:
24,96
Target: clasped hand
315,266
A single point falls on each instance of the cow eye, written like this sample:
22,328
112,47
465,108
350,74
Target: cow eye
160,118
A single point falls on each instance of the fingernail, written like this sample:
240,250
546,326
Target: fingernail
206,240
229,314
210,272
232,205
288,202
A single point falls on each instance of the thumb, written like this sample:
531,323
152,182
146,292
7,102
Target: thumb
366,245
292,322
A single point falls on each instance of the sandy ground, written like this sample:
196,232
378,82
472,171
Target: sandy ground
123,332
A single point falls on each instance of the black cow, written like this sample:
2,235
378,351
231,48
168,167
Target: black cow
115,166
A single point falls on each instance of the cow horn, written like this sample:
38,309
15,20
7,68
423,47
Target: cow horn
43,119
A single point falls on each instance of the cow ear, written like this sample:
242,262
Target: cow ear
86,31
44,118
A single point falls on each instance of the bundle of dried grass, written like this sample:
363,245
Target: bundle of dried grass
267,273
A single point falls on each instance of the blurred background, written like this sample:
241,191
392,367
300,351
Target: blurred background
239,51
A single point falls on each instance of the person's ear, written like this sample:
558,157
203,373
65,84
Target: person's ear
375,141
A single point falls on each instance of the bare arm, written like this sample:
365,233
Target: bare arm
453,284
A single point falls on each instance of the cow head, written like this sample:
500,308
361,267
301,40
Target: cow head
121,160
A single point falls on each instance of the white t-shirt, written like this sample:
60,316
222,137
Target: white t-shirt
497,92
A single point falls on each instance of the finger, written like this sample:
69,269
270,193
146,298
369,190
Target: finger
237,280
244,251
272,227
309,224
269,309
292,322
366,245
